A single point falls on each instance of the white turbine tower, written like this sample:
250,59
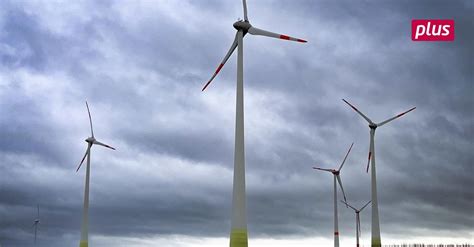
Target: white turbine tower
338,178
85,217
357,211
37,221
238,235
376,240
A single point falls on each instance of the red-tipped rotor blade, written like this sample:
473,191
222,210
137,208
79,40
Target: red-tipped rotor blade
231,50
257,31
368,161
357,110
397,116
371,150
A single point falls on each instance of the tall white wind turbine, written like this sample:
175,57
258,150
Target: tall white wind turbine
85,217
357,211
376,240
336,176
238,234
37,221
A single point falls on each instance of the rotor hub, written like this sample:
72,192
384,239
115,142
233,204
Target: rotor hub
372,126
242,25
335,172
90,140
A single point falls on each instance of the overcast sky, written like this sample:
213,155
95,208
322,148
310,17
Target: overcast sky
141,66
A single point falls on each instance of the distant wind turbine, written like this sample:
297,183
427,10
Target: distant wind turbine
36,222
238,235
376,240
338,178
357,211
85,217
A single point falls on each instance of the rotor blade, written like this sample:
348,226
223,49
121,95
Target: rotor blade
83,158
347,204
342,188
231,50
38,211
90,119
365,206
358,225
397,116
322,169
257,31
244,2
371,152
340,167
368,161
103,144
360,113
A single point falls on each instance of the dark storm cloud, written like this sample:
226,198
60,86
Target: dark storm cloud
141,66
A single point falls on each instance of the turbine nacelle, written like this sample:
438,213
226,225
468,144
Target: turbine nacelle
90,140
373,126
242,25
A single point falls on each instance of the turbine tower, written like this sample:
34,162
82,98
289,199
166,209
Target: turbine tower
357,211
376,240
238,234
338,178
37,221
85,217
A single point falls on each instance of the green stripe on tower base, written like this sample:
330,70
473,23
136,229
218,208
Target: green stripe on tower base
376,242
83,244
238,238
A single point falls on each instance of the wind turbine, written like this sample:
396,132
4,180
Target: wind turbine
238,235
376,240
357,211
37,222
338,178
85,217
